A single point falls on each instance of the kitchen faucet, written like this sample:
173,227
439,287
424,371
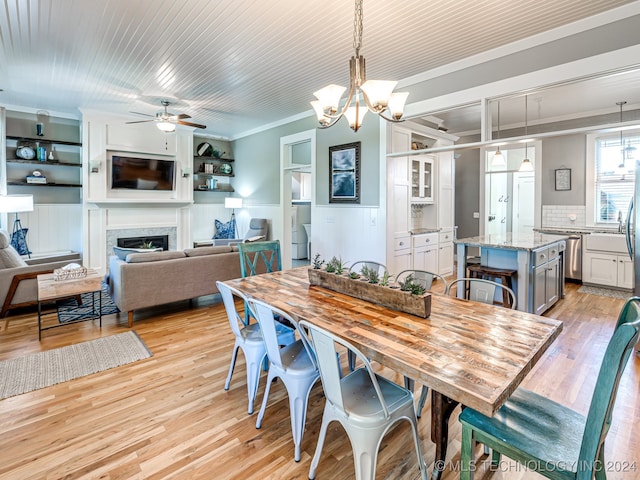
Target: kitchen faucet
620,224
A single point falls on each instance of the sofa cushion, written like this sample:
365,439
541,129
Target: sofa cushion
200,251
225,230
122,252
9,258
154,256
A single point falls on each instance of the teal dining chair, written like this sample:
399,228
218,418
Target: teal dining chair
259,257
546,436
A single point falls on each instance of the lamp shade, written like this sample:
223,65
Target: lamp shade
233,202
16,203
166,127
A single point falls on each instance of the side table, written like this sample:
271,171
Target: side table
50,290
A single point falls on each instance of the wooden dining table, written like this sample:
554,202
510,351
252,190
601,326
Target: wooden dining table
468,353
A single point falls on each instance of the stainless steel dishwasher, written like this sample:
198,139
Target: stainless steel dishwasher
573,258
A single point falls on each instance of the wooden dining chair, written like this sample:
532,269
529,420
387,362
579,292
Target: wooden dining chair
259,257
546,436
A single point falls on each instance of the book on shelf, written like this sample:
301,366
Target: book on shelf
36,179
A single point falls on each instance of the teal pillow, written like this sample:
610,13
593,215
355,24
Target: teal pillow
225,230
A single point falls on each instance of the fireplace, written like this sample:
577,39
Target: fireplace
149,241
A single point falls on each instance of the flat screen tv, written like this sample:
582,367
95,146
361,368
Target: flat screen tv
142,173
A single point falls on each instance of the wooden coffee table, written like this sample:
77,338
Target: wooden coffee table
50,290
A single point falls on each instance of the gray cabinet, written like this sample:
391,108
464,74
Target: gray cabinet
547,277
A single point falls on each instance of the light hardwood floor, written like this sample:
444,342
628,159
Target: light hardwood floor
169,416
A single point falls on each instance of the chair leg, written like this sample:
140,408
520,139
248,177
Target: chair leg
298,400
232,366
326,420
416,440
365,452
265,398
466,451
253,378
600,468
423,399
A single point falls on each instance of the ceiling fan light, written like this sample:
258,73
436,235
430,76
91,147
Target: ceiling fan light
396,104
355,115
329,97
166,127
378,93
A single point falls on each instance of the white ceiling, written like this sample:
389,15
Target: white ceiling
235,65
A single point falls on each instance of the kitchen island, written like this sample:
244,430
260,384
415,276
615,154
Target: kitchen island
537,258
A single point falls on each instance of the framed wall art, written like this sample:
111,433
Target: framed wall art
344,173
563,179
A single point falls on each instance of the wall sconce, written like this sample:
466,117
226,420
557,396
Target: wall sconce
186,171
95,167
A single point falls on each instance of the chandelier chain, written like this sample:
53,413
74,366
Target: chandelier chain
357,27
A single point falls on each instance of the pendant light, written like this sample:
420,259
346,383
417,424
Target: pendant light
622,168
526,165
498,158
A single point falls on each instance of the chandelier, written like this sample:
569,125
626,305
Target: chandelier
378,95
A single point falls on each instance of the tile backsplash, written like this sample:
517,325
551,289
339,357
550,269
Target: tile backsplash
563,216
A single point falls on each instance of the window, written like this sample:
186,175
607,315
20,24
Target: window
614,175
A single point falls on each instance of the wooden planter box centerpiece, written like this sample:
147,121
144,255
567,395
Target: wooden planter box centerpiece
394,298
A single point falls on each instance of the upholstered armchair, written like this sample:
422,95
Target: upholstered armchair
18,285
258,230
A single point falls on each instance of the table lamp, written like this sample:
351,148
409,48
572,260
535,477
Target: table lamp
16,204
233,203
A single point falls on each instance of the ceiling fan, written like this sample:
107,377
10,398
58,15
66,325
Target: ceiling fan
166,121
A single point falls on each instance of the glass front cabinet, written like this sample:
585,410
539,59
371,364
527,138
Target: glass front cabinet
422,179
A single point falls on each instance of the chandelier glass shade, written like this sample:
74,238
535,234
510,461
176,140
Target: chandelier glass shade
166,127
526,165
376,96
498,158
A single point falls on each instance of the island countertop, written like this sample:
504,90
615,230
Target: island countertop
512,241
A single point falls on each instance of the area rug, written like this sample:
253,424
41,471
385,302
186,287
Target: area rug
605,292
43,369
69,311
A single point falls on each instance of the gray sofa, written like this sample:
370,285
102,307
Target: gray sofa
155,278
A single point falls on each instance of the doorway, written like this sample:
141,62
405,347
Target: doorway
297,164
509,195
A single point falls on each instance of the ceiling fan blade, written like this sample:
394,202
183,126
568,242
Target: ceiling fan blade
141,121
144,114
189,124
181,116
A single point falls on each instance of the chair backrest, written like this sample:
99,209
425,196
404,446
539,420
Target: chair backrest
421,277
257,227
481,290
259,257
266,315
228,293
615,359
360,264
324,345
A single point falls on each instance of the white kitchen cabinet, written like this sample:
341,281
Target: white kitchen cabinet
605,261
422,175
445,252
402,255
425,252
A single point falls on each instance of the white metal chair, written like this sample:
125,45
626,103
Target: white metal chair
480,290
424,278
249,339
366,405
360,264
295,364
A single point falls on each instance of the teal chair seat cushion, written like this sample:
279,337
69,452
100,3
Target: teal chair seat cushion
549,432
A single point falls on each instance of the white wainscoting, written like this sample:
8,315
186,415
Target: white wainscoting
52,227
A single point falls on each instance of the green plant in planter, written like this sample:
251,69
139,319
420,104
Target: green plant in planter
371,274
354,275
410,286
385,279
335,265
317,262
148,245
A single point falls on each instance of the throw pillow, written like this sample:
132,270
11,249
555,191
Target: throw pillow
19,241
122,252
225,230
